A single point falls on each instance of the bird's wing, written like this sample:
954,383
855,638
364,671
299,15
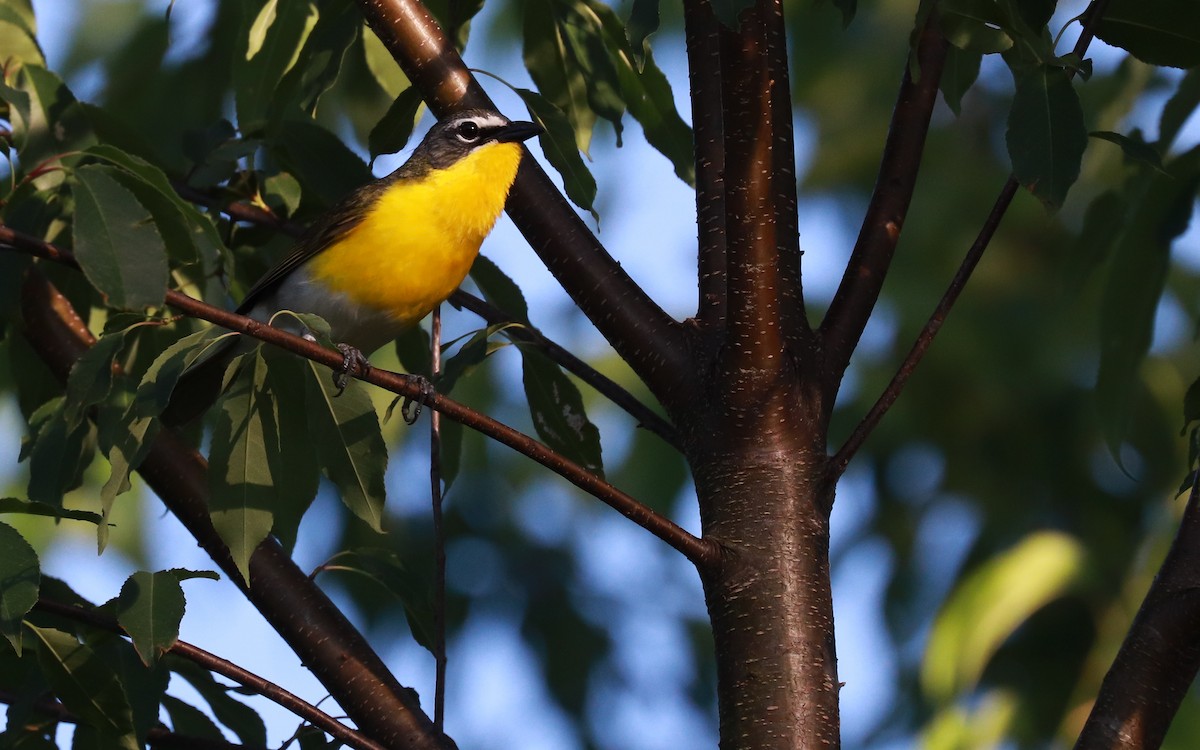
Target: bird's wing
332,226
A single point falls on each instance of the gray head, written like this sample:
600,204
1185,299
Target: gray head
458,135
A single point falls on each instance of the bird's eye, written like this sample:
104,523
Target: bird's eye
468,131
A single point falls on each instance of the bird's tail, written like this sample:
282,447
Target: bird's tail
200,385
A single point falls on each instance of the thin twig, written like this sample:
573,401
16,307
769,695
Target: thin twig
439,531
605,386
864,428
699,551
228,669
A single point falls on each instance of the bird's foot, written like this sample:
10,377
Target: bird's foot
410,408
353,362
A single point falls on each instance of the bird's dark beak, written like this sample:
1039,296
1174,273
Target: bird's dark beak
518,131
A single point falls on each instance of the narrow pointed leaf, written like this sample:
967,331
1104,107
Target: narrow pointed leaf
557,410
31,508
20,579
558,144
1159,32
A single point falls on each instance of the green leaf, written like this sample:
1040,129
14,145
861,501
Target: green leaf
87,686
134,438
282,193
150,608
1161,207
469,356
118,247
582,33
385,568
558,144
1191,405
975,26
391,133
1179,108
300,472
383,66
643,22
240,718
1159,32
557,75
1134,148
320,60
20,579
324,165
557,410
159,381
243,464
61,450
1046,135
18,40
189,235
985,723
189,721
990,603
273,43
349,444
1103,223
960,72
91,377
47,121
498,289
31,508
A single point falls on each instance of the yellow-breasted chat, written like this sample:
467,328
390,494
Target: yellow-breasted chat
381,259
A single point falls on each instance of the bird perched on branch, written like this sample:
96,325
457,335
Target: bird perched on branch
381,259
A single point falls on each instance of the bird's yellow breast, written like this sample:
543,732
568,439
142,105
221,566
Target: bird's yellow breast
416,243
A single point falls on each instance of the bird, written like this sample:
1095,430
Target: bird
379,261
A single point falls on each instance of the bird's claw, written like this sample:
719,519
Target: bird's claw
353,361
410,408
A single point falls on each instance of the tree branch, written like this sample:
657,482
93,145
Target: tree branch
965,269
860,286
228,669
296,608
1159,659
647,338
605,386
699,551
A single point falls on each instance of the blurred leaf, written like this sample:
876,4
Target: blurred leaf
320,61
1103,223
975,26
583,34
960,72
1135,149
391,134
20,578
1179,108
385,568
150,608
31,508
17,39
990,603
243,464
326,168
1046,136
558,144
273,43
47,121
1161,208
116,242
86,686
383,66
61,450
728,11
558,78
557,411
643,22
1159,32
349,444
985,724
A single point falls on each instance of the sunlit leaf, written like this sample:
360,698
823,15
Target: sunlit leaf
990,603
20,576
273,43
319,61
17,39
243,465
